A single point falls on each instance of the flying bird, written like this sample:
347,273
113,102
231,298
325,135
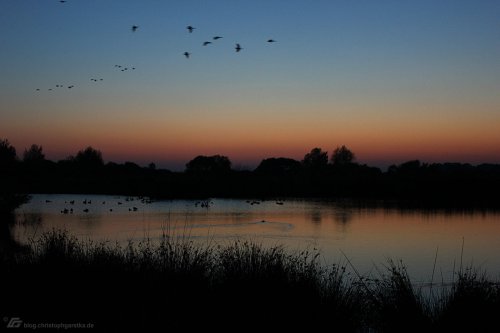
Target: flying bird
37,89
187,54
271,41
134,28
206,43
62,1
238,48
216,37
190,28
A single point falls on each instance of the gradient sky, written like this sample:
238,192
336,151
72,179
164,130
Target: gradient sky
392,80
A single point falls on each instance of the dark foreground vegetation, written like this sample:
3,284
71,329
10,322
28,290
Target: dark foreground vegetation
317,175
175,284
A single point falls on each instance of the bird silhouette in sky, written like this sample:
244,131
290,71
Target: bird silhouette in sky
134,28
62,1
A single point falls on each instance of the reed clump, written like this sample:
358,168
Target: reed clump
177,283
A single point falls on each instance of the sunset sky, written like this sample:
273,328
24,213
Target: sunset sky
392,80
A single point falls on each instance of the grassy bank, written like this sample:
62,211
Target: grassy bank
177,284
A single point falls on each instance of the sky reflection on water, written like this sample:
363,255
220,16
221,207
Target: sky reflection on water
368,236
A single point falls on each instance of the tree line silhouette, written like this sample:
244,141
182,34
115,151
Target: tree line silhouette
316,175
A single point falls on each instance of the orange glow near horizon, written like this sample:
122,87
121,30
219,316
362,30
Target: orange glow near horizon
248,138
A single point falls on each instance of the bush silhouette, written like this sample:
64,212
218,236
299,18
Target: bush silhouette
280,165
209,165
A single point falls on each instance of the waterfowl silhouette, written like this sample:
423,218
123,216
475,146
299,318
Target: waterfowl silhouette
271,41
190,28
187,54
216,37
206,43
134,28
238,48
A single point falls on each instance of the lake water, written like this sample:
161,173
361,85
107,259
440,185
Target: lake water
367,236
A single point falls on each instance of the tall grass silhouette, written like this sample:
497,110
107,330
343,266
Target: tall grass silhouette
177,283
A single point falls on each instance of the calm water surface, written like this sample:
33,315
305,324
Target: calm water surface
368,236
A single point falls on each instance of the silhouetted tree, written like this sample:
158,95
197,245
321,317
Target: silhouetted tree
7,154
209,164
131,166
409,167
278,165
34,154
89,157
315,159
342,156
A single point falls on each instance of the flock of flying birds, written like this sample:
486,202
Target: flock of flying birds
124,68
190,29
